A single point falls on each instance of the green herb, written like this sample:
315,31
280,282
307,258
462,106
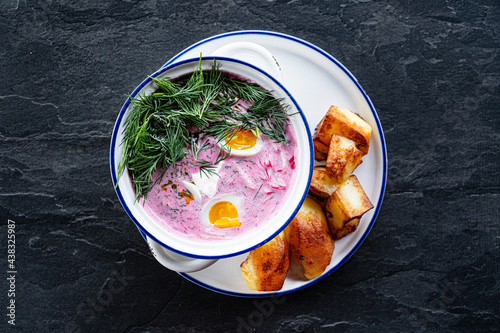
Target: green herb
255,196
174,121
197,146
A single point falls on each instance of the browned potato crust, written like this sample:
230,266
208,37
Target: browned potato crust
345,207
345,123
266,267
310,239
322,184
320,144
349,227
343,158
319,148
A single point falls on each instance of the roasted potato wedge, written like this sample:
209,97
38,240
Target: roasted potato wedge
266,267
322,184
310,240
319,154
345,207
345,123
320,147
343,158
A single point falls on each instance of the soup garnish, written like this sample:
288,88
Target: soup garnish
178,119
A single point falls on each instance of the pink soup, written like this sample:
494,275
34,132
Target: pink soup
259,183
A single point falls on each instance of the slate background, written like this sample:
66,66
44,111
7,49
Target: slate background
431,262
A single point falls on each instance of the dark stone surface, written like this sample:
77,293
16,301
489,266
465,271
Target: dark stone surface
431,262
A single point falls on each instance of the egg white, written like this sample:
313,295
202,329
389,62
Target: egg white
195,191
234,199
250,151
207,184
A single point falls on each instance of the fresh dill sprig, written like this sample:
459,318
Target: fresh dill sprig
197,147
174,121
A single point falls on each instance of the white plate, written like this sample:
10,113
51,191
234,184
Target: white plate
317,81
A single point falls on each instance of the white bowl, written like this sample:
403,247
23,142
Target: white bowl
244,243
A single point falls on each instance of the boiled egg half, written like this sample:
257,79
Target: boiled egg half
244,143
222,212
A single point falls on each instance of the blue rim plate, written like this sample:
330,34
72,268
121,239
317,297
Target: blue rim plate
317,80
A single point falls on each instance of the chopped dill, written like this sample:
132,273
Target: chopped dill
173,122
255,196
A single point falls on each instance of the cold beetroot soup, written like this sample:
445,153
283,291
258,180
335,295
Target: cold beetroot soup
211,155
256,185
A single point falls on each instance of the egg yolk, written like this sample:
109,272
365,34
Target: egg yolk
224,214
242,140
